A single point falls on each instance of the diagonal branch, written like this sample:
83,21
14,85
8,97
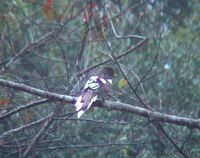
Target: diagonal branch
15,130
152,115
32,46
39,134
38,92
157,124
24,107
124,54
39,42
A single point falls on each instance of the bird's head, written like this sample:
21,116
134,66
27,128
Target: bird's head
108,73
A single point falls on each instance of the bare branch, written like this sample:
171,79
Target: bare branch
38,135
138,45
38,92
31,46
22,127
152,115
18,109
98,145
114,30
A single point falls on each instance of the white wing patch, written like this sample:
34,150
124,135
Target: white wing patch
94,78
81,112
92,101
109,80
79,104
103,80
92,83
93,86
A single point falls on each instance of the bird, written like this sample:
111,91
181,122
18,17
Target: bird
95,85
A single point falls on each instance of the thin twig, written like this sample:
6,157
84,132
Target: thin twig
158,125
22,127
24,107
39,134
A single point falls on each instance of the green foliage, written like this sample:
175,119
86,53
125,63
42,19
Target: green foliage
172,86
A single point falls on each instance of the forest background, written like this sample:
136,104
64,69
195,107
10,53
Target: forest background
48,48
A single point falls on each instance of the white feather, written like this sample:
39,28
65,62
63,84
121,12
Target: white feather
92,83
94,78
81,112
109,80
92,101
103,80
87,83
93,86
78,104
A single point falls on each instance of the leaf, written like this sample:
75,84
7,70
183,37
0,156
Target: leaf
126,3
48,9
21,5
122,83
4,102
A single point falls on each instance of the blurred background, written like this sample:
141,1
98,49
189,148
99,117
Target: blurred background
54,45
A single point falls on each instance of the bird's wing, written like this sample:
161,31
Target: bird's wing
92,83
89,94
82,111
85,100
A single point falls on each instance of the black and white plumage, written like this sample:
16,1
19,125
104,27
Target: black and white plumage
96,84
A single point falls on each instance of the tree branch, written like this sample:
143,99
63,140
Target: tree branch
39,134
12,131
38,92
152,115
31,46
24,107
